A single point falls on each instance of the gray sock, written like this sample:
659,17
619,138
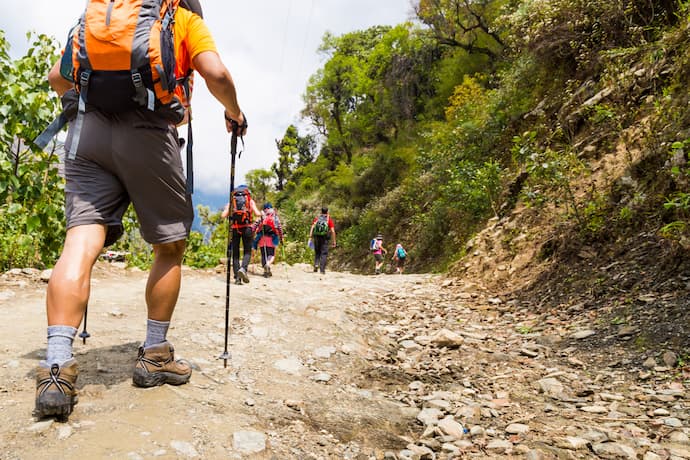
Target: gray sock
155,332
59,348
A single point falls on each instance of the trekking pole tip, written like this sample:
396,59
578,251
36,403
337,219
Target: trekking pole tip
225,357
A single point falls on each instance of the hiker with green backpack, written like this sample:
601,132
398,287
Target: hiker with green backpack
320,233
123,104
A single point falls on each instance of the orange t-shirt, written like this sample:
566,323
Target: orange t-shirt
191,38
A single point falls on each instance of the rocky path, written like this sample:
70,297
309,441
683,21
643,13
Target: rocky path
341,366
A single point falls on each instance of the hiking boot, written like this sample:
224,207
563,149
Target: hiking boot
56,394
316,268
242,274
156,365
268,271
238,281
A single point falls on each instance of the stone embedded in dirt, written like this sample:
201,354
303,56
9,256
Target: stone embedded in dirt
429,416
580,335
289,365
594,409
324,352
673,422
670,358
45,275
550,386
499,446
451,427
614,450
529,353
649,363
42,426
627,331
678,437
322,377
248,442
446,338
517,428
184,449
571,443
6,295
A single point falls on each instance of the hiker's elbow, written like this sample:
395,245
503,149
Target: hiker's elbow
56,80
212,69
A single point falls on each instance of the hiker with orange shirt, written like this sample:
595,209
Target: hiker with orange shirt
117,157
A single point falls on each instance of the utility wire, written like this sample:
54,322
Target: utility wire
285,33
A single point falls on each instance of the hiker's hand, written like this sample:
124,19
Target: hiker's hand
226,211
238,125
334,245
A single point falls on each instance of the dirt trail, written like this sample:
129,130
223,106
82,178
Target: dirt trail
344,366
294,352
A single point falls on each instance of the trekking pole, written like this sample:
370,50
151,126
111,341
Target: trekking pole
231,241
85,335
282,253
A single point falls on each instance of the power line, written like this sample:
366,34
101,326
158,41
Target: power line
287,23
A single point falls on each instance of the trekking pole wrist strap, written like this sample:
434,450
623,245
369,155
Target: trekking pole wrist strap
234,122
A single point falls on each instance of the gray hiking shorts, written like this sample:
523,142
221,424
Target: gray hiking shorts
130,157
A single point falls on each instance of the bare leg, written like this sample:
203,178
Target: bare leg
163,286
70,283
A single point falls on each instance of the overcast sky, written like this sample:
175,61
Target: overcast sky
269,46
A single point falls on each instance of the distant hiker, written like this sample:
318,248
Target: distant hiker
269,234
118,155
244,211
321,231
399,256
377,249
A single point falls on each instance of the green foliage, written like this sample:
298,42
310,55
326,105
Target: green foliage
551,175
139,252
31,191
205,250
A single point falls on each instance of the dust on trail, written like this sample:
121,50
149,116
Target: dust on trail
296,355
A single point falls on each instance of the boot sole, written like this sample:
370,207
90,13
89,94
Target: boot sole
55,405
144,379
243,276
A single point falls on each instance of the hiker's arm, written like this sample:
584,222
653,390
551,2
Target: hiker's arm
220,84
57,81
333,233
255,209
311,231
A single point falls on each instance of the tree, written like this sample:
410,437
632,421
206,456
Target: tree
467,24
287,156
31,191
259,182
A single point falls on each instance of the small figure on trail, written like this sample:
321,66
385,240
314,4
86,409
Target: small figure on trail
269,234
399,256
377,249
244,211
321,231
118,155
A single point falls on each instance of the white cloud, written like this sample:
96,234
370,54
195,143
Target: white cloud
269,47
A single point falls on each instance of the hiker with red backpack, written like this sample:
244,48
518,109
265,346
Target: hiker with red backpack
244,212
123,99
269,234
320,233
